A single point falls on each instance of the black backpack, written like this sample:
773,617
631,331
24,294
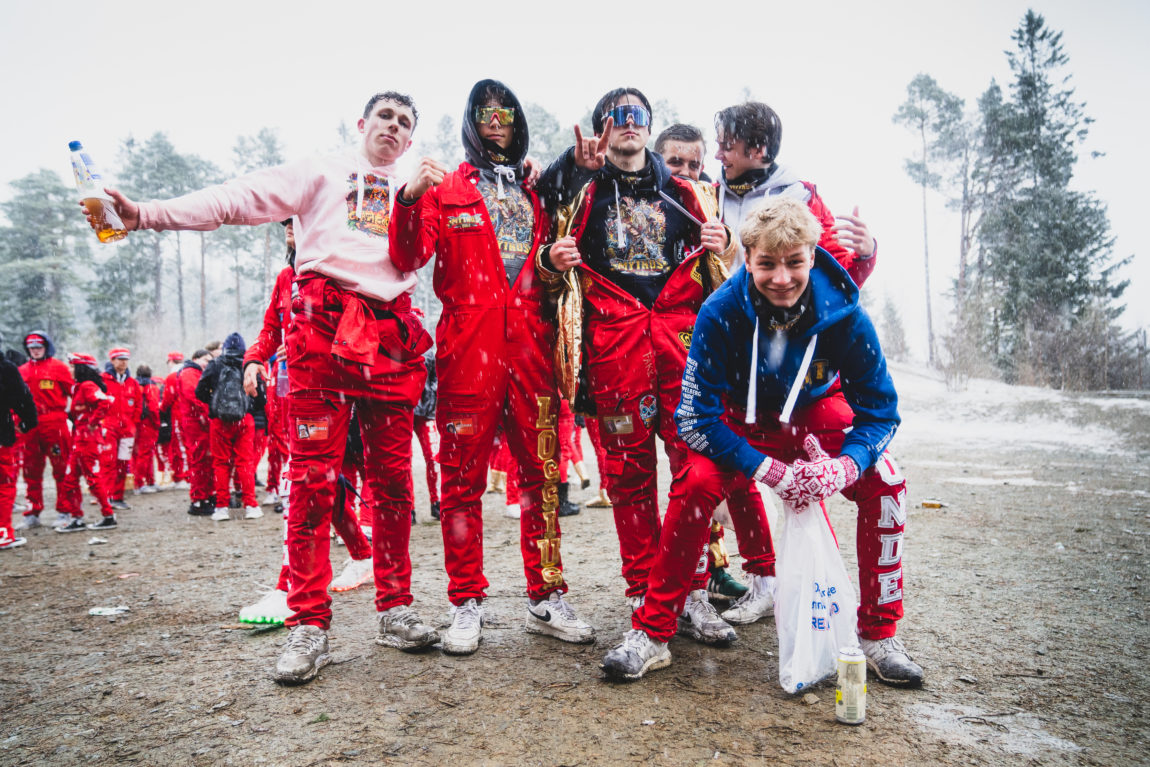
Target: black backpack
230,402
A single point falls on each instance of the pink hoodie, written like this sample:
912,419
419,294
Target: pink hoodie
342,206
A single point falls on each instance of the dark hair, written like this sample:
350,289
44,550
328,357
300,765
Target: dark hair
198,353
143,371
82,372
688,134
607,103
495,92
399,98
755,123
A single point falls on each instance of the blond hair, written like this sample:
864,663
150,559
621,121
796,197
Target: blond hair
778,224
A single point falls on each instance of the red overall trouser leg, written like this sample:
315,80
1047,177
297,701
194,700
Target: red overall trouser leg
423,427
197,442
50,442
88,460
8,476
144,456
173,452
231,447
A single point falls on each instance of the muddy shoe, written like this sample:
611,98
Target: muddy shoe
758,602
400,627
554,617
723,586
304,655
466,629
355,573
637,655
701,622
30,522
253,512
221,514
106,523
75,526
119,504
890,662
272,609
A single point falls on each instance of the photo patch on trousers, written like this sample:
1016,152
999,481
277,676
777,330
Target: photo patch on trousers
648,409
47,383
617,424
685,337
311,428
461,426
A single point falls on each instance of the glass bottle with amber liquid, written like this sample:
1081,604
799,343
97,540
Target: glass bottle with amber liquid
105,220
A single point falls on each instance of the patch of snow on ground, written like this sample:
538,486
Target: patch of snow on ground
986,414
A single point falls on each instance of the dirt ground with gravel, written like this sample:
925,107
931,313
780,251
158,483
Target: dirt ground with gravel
1025,603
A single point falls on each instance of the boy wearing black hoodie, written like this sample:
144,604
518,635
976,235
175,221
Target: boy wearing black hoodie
493,357
232,430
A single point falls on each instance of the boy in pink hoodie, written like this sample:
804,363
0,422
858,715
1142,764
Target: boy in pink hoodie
355,340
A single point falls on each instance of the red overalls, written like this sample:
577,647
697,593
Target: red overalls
51,383
494,352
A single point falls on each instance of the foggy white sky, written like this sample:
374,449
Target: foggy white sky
207,72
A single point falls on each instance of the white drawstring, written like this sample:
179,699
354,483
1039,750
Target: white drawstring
619,218
788,408
752,385
503,172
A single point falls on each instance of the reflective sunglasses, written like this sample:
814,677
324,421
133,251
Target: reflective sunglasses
638,114
505,115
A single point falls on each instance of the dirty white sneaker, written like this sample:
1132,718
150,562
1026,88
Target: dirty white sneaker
148,490
512,511
355,573
271,609
271,499
253,512
700,621
8,541
32,521
758,602
400,627
554,617
466,629
304,655
181,485
890,662
637,655
221,514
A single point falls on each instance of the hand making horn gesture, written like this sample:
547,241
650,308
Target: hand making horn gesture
429,173
591,153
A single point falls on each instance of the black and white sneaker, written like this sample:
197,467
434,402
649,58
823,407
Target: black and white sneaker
75,526
107,523
890,662
203,508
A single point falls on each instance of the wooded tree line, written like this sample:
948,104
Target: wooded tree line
1038,293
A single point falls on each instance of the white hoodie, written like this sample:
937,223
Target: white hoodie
342,207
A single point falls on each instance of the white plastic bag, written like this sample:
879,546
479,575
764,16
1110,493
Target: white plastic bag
815,604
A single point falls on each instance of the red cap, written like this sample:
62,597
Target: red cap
119,353
82,359
175,356
35,338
